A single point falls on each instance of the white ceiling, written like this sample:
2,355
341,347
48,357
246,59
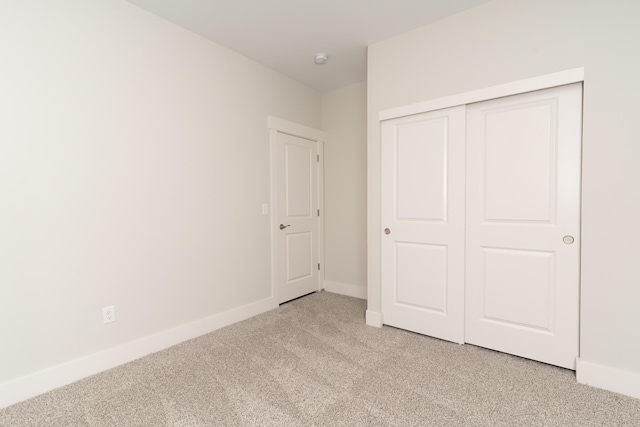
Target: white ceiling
285,35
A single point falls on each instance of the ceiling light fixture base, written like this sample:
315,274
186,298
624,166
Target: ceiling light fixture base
321,58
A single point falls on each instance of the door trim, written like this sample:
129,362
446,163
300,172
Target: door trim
275,126
575,75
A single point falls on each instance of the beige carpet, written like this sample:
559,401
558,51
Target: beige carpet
314,362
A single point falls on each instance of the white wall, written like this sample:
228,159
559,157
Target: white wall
509,40
344,121
134,157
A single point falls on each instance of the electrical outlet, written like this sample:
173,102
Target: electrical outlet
265,209
108,314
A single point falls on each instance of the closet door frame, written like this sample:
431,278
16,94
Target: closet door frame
374,315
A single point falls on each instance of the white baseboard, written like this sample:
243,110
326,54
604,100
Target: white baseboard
346,289
374,318
31,385
608,378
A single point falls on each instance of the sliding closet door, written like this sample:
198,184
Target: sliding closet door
523,224
423,215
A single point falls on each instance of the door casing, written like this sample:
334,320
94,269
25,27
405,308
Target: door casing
374,314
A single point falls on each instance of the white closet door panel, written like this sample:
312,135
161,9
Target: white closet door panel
423,208
523,198
422,276
421,167
519,154
530,297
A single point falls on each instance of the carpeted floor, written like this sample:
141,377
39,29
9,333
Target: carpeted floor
314,362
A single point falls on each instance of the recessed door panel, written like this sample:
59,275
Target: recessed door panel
421,279
520,162
513,299
300,260
421,167
298,162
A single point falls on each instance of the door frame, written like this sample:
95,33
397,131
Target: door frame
374,230
276,126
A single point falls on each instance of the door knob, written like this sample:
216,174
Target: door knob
282,226
568,239
387,231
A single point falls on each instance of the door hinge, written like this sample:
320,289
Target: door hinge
318,157
318,266
318,212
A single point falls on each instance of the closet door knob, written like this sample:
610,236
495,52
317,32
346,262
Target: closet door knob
387,231
282,226
568,239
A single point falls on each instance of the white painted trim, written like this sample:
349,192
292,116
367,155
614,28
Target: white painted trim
574,75
347,289
31,385
608,378
276,126
295,129
373,318
321,218
273,185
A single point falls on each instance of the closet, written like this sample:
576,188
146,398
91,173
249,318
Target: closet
481,223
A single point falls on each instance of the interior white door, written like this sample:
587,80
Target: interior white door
298,217
423,211
523,224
